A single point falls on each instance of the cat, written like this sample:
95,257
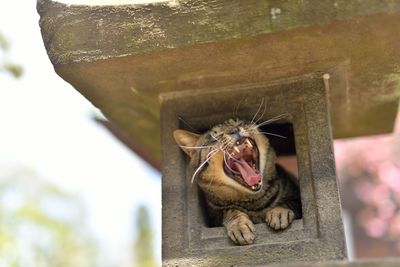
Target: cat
235,167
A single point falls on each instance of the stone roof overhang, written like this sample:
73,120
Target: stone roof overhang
124,58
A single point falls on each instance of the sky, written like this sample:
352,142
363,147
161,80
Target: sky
47,126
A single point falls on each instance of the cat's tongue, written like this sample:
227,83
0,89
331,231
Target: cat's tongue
250,176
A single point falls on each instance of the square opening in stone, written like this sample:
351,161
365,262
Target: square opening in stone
187,235
201,225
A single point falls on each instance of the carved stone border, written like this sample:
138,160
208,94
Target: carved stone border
187,241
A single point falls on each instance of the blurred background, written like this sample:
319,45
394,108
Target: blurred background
71,194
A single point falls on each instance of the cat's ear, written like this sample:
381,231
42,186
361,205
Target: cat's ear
186,140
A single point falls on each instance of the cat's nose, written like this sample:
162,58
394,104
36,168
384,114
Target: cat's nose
234,131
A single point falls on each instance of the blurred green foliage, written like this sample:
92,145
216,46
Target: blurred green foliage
41,226
144,248
6,66
3,43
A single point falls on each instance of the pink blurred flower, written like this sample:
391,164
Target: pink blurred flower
376,227
389,174
386,210
371,165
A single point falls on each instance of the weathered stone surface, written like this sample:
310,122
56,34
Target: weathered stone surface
122,57
188,241
88,33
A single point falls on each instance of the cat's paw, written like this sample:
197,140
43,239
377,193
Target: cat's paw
241,230
279,218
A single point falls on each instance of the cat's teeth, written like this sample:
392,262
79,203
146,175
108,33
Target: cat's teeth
248,142
236,149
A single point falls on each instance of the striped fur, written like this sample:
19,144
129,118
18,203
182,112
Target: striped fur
230,203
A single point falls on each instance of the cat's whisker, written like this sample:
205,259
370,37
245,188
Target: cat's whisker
209,156
258,110
196,147
215,138
224,144
233,158
267,133
254,124
188,124
236,109
227,165
272,120
260,117
224,149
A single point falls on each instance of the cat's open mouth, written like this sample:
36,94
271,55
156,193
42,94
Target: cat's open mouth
241,164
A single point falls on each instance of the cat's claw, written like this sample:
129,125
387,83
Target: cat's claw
242,234
279,218
241,230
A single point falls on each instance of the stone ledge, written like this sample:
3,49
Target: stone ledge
78,33
383,262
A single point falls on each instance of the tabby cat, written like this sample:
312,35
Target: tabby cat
235,167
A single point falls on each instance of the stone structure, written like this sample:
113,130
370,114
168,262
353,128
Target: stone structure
122,57
196,58
188,241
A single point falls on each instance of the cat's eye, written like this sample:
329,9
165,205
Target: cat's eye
214,136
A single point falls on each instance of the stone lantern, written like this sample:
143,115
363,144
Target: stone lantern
332,66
